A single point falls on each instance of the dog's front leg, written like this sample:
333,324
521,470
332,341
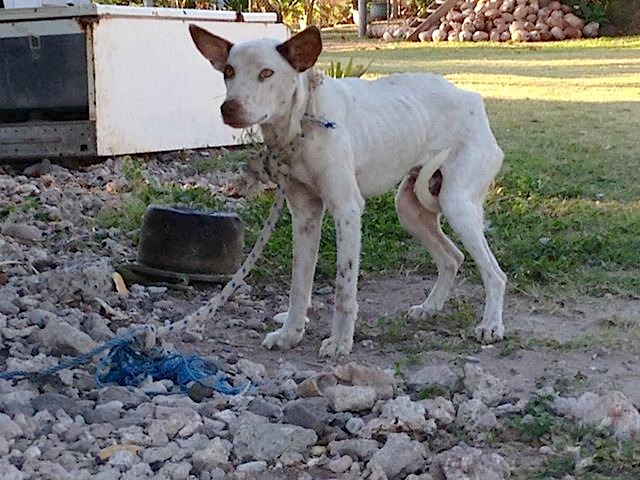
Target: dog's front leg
306,211
347,214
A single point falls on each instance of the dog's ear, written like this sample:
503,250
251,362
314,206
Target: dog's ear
214,48
302,50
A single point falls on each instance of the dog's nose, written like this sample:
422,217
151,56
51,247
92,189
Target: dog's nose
231,111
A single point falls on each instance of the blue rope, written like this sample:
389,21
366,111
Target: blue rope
128,366
71,363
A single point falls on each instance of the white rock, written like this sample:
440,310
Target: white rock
399,456
123,460
62,338
474,415
483,386
159,454
354,425
175,471
253,371
591,30
8,471
8,428
32,453
257,466
340,465
343,398
441,410
613,411
406,414
466,463
254,438
215,454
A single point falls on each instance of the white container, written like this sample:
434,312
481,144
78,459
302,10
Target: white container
147,87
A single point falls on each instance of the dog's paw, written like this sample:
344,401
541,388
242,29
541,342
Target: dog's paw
282,339
489,332
332,347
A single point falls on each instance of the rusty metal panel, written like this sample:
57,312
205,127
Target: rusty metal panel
153,89
49,139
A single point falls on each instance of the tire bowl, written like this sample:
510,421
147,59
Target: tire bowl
177,242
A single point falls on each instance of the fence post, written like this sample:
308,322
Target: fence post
362,14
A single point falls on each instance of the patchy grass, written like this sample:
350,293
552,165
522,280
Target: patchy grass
565,210
226,160
450,330
586,452
564,215
433,390
537,420
143,190
613,333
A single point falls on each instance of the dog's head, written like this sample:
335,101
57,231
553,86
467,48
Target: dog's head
260,75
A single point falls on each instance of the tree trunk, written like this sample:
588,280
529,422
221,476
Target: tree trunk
309,13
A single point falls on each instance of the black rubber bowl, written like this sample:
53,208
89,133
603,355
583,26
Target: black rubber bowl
180,241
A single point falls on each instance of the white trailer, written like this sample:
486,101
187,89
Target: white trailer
98,80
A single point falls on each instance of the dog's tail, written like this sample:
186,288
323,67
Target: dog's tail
422,189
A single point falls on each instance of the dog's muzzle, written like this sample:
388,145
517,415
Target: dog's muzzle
232,113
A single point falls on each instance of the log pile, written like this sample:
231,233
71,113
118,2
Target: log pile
503,20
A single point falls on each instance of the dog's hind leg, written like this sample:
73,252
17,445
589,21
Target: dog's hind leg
466,217
306,211
424,226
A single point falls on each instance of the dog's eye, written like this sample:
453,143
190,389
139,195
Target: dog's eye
265,73
228,72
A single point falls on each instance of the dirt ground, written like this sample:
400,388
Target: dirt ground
574,345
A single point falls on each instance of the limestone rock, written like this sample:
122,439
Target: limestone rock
343,398
466,463
254,438
474,415
62,338
399,456
441,410
483,386
356,447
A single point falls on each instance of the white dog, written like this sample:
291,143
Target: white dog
348,139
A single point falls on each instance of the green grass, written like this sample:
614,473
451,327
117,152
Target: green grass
564,214
565,210
586,451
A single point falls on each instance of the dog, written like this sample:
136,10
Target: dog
347,139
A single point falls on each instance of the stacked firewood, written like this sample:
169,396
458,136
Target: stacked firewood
503,20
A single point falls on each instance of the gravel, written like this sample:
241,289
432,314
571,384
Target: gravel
344,421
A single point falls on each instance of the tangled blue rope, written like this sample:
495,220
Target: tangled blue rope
128,366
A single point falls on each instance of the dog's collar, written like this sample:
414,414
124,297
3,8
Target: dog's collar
315,78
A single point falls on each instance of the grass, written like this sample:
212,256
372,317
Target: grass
585,451
564,214
565,210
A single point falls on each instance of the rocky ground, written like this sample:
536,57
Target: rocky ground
419,401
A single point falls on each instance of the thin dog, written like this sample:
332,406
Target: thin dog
348,139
